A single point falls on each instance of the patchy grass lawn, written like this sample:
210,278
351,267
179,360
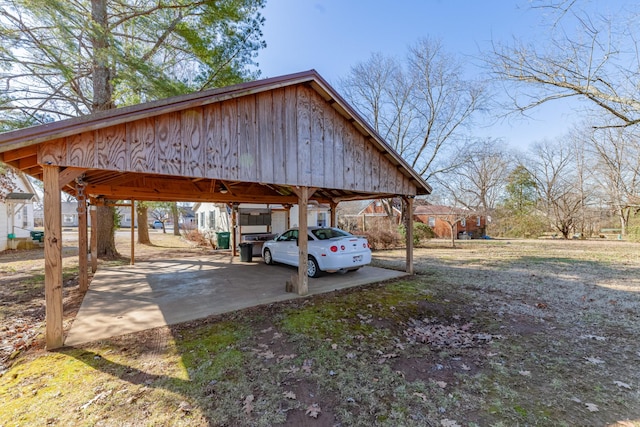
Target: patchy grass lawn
498,333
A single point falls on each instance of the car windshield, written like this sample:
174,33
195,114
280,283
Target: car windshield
328,233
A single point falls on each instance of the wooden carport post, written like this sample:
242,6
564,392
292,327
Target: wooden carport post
94,238
407,206
333,214
83,246
287,218
52,257
304,193
133,236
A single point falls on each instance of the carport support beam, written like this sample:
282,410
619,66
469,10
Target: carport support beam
83,247
94,238
133,236
333,221
408,226
303,241
52,257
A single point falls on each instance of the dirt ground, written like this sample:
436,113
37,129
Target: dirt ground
22,311
499,332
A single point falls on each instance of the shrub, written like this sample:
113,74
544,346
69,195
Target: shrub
633,233
382,235
198,238
421,232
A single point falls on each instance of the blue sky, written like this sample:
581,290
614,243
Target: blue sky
331,36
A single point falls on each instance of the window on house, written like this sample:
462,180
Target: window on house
478,222
67,219
212,219
432,221
202,224
463,222
25,217
322,219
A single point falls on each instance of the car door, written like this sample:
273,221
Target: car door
283,246
291,248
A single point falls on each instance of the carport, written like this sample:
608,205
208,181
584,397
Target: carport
285,140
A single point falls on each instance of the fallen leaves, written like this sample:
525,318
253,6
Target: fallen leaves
313,410
421,396
592,407
185,407
442,336
623,385
247,404
449,423
289,395
306,365
384,357
594,360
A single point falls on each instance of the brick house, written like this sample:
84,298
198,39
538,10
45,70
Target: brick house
468,224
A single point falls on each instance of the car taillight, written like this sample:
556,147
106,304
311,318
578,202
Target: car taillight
334,249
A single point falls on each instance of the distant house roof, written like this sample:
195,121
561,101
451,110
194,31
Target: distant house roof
21,197
378,209
440,210
352,207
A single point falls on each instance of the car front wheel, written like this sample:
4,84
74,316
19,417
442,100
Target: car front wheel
312,267
267,257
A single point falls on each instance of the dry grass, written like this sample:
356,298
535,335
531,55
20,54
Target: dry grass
495,333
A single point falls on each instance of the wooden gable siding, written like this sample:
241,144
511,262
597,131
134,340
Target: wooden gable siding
286,136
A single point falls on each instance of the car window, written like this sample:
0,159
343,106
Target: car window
288,236
336,232
284,236
320,234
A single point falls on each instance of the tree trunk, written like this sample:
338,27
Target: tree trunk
106,236
102,88
102,100
143,228
624,220
176,219
453,235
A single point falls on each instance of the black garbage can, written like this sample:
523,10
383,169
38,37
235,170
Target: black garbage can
246,252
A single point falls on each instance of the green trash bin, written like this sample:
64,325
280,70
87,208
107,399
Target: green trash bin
223,239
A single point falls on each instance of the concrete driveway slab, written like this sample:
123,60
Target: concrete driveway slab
128,299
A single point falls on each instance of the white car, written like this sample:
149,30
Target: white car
330,249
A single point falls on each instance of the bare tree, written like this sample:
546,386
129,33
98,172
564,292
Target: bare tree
479,182
552,166
420,106
616,153
596,61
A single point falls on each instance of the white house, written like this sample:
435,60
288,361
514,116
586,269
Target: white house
254,219
16,211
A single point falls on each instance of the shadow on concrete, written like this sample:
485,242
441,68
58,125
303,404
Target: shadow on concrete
126,299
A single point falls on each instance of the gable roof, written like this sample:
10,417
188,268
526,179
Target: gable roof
440,210
186,147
